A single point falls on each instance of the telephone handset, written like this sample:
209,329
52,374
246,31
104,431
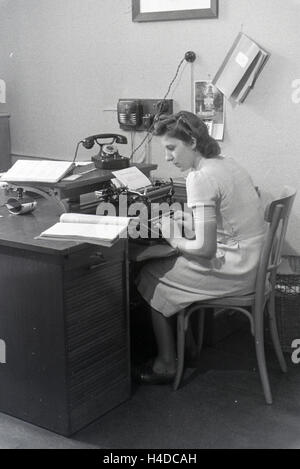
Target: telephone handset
108,156
89,142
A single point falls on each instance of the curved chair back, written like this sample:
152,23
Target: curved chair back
277,215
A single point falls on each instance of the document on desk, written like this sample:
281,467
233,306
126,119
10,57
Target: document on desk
132,178
38,171
95,229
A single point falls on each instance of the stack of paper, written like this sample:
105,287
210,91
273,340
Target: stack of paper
241,68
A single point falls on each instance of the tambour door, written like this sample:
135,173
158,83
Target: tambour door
97,332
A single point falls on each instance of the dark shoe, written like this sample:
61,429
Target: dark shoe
146,375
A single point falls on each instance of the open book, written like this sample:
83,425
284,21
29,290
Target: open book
38,171
95,229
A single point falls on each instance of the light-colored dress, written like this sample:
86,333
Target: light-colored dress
171,284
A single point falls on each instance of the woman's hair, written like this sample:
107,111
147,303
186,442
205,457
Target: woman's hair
185,126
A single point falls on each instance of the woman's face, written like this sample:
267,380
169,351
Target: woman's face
180,153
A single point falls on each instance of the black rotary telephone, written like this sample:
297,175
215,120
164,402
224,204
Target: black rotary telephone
108,156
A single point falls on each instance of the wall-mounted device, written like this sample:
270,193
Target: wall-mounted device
138,114
108,156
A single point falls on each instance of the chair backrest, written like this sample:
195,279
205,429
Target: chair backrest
277,216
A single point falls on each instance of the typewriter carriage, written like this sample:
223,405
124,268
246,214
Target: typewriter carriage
161,191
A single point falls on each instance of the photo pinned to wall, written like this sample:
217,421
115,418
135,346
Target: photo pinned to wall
210,107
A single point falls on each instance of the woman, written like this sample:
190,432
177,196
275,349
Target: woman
220,251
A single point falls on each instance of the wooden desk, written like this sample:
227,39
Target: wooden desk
67,193
64,322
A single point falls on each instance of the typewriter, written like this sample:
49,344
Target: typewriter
147,205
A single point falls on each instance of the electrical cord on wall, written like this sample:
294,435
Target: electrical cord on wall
190,56
132,135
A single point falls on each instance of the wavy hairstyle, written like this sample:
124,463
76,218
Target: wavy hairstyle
185,126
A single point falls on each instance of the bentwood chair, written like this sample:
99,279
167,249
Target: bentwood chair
252,305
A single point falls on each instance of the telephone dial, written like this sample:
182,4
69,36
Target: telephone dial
108,156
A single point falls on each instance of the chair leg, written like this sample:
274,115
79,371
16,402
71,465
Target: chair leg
201,317
274,333
180,349
260,355
194,334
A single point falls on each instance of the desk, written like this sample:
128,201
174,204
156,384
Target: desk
67,193
5,161
64,323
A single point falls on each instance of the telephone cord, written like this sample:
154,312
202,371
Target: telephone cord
159,113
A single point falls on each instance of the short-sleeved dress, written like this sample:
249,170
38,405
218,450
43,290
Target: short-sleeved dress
171,284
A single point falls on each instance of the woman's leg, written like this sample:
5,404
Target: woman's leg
165,361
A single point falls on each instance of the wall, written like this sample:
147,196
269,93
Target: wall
66,63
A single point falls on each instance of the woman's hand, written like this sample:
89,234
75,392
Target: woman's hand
170,230
204,232
169,227
185,222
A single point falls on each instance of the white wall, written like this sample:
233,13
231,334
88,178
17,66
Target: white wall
66,61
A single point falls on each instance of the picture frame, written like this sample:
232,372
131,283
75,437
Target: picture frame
166,10
209,105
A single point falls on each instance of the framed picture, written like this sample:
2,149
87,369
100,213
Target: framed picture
162,10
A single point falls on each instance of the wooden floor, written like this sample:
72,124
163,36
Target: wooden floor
220,406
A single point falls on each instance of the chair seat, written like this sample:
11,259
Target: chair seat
243,300
224,302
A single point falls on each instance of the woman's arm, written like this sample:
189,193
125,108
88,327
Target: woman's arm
139,252
185,221
205,228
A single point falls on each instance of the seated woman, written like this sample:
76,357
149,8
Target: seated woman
220,257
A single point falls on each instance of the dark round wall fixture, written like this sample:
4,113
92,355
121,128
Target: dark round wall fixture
190,56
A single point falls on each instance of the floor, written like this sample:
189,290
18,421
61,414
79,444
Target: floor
220,406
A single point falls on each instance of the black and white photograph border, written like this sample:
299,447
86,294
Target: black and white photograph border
81,326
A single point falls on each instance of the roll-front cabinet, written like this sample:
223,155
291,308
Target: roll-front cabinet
65,335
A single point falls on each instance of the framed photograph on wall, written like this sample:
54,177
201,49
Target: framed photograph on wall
209,105
163,10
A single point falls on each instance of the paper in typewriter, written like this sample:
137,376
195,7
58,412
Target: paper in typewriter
132,178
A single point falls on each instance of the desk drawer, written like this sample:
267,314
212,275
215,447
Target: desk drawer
92,257
97,338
